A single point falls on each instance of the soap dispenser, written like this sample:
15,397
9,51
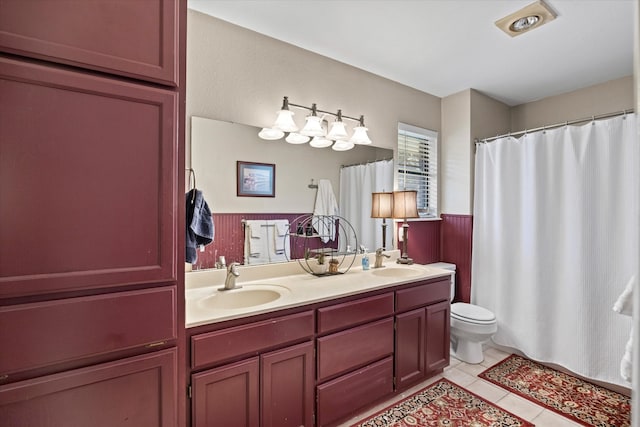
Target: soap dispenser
365,259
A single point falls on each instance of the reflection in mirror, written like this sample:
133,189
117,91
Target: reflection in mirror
217,146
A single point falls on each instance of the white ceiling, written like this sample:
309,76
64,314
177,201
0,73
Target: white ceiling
444,46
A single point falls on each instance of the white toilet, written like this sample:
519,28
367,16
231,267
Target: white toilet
471,325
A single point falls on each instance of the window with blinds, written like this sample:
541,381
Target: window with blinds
417,166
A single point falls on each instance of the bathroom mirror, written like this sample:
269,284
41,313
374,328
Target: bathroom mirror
216,147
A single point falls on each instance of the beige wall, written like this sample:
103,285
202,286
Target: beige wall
240,76
237,75
455,157
466,116
604,98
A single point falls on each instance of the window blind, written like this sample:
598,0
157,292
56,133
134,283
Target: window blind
417,169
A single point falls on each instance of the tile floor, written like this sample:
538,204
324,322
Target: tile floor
465,375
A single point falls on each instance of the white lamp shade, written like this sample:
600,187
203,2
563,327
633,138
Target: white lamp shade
360,136
320,142
405,204
381,205
270,134
296,138
343,146
338,132
285,122
313,126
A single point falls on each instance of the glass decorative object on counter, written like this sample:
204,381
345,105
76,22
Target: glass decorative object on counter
322,244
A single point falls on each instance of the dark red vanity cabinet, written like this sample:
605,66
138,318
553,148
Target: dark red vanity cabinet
355,361
136,391
272,383
422,334
87,181
138,39
92,213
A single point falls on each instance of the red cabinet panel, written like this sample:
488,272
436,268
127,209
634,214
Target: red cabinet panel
287,397
343,396
438,339
351,313
138,391
422,295
46,333
410,347
227,396
133,38
226,344
353,348
87,181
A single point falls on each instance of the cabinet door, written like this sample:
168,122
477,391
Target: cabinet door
87,181
287,387
227,396
438,340
410,347
139,391
133,38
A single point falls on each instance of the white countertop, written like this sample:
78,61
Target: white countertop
296,287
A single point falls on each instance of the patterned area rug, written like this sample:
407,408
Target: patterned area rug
578,400
443,404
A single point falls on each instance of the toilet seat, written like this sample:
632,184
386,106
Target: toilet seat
472,314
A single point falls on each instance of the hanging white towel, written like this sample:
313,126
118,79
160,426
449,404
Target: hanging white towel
255,242
326,205
624,306
281,229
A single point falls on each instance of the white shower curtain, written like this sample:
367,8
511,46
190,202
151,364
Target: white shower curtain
555,242
356,185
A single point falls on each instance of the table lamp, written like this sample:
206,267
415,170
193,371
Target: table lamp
405,205
382,207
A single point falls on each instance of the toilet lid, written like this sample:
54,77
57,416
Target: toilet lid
471,312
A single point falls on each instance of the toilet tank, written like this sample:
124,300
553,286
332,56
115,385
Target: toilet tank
448,266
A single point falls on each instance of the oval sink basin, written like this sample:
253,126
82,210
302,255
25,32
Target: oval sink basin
249,296
397,272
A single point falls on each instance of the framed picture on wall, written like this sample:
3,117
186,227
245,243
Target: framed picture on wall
256,179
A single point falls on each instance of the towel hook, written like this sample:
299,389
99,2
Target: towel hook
312,185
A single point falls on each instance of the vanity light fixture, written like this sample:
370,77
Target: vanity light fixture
405,205
526,19
337,138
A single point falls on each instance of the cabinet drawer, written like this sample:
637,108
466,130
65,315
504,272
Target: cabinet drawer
350,349
61,331
351,313
341,397
219,346
138,391
422,295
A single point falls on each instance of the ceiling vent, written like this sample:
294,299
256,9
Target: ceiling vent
526,19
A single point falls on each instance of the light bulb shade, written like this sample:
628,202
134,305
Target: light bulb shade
296,138
285,122
338,132
313,126
343,146
270,134
320,142
405,204
381,205
360,136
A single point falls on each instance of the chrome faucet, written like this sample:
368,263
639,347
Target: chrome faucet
232,274
379,258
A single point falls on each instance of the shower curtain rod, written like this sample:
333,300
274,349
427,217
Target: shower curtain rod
365,163
557,125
